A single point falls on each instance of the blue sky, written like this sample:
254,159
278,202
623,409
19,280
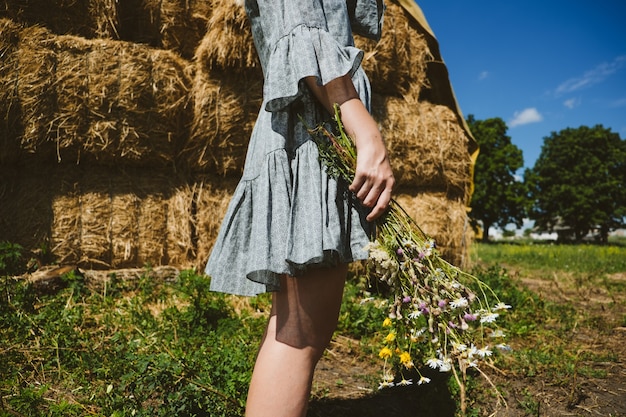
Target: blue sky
541,66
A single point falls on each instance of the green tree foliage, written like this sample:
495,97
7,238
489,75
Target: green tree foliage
579,181
499,198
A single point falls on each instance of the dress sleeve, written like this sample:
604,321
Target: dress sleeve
316,40
366,17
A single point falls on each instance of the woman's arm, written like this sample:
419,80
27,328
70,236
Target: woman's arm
373,179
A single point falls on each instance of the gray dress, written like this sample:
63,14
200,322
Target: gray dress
287,214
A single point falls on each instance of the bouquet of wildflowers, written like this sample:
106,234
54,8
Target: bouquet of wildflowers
439,316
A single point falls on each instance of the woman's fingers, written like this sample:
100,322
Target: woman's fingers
358,183
374,191
382,203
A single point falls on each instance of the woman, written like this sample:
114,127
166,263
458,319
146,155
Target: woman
290,228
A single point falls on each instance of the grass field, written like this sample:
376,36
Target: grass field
169,347
568,330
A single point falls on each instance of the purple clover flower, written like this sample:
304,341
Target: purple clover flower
470,317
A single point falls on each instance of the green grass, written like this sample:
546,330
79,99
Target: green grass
153,348
588,259
135,348
543,328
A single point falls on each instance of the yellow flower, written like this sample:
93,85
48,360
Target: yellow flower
390,337
405,359
385,353
387,322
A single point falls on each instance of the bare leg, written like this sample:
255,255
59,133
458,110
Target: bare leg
303,319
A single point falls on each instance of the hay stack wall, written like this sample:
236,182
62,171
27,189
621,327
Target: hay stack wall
177,25
121,143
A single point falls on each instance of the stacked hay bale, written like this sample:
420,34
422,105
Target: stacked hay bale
121,147
90,149
169,24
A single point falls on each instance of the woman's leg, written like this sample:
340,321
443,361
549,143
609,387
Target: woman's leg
303,319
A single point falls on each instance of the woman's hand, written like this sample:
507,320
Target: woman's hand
373,180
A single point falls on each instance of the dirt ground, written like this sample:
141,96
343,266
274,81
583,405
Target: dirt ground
342,386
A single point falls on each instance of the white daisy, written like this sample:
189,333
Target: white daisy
485,351
434,363
488,317
423,380
460,302
405,382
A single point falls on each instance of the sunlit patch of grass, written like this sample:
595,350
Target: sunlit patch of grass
590,259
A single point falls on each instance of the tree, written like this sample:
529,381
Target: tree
499,198
579,181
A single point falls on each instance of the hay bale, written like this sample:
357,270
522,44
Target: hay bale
228,42
9,104
105,20
95,230
225,109
212,199
65,223
427,146
182,24
397,63
36,88
124,226
65,229
70,113
60,16
180,227
106,101
138,104
177,25
96,218
152,225
444,219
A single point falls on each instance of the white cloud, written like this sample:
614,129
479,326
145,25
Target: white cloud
483,75
591,77
526,116
571,103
